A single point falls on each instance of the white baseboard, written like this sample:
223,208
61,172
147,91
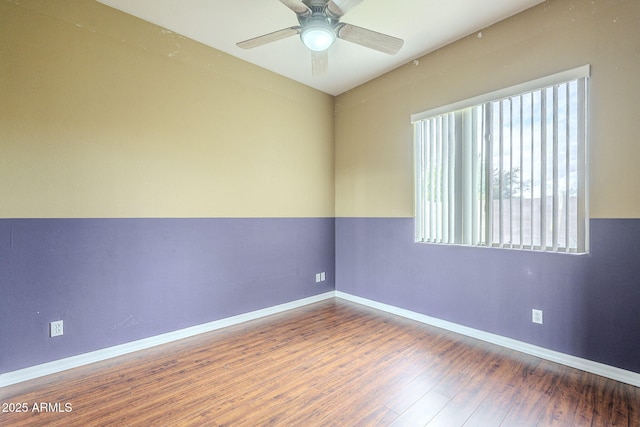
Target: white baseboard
119,350
597,368
37,371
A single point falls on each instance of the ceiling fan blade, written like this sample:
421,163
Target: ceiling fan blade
338,8
268,38
297,6
319,63
371,39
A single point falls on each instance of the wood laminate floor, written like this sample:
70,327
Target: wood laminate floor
333,363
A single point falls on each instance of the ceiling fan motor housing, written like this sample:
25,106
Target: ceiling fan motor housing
318,29
315,3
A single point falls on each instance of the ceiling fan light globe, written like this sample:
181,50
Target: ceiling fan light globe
318,38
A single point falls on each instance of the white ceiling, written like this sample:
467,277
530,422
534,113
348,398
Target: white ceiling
425,25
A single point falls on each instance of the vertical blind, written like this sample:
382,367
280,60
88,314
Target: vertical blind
507,172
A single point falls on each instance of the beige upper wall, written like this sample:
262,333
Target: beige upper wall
105,115
374,152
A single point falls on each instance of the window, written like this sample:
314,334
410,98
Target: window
507,169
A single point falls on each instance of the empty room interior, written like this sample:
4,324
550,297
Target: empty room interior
226,245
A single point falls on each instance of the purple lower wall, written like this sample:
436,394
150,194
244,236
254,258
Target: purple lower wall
114,281
591,302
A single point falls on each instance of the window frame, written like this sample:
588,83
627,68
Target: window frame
462,158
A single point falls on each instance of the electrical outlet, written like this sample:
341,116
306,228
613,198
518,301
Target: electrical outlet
536,316
317,277
323,276
55,328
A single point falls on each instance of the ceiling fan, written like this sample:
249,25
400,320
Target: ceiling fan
319,28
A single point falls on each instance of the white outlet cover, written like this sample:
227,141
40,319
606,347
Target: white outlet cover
318,277
536,316
56,328
322,276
